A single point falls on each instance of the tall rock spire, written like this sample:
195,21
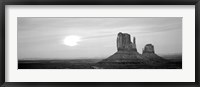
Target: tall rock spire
133,47
133,40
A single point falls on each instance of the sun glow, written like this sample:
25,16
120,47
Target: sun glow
72,40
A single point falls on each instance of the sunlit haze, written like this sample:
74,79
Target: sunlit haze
71,40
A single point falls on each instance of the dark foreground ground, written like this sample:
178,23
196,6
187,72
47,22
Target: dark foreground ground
57,64
175,62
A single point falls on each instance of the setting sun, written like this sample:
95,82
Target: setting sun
72,40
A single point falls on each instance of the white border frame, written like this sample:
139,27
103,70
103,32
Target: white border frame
187,74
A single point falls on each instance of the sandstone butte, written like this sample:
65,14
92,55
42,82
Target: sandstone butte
128,57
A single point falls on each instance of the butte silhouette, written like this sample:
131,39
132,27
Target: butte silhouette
127,56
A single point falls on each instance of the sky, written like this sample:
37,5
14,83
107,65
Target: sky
45,38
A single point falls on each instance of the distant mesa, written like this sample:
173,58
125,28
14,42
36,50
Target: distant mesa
149,54
128,57
149,48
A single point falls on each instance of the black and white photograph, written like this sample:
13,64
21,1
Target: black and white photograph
99,42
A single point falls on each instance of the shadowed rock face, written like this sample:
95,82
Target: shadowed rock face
124,42
149,48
